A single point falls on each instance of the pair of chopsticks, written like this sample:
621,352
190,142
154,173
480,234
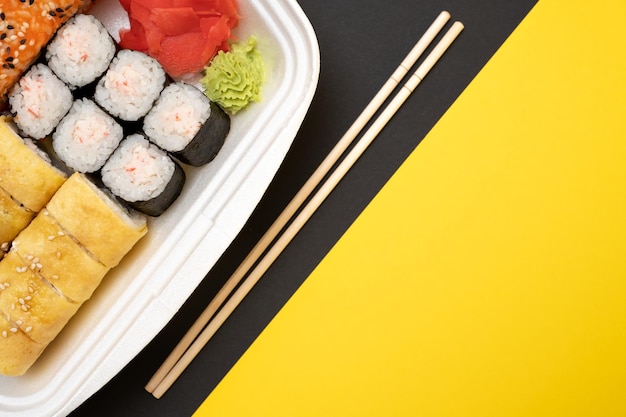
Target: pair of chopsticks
209,322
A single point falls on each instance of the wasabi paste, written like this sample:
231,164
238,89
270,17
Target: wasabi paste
234,79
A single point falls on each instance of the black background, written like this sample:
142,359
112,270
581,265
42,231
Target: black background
361,43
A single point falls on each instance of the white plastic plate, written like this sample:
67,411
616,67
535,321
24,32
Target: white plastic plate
141,295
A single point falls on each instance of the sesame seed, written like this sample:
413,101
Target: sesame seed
55,277
4,333
30,257
24,307
28,298
13,329
28,329
21,300
19,322
61,233
51,237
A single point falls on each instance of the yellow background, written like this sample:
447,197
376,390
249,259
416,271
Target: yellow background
488,277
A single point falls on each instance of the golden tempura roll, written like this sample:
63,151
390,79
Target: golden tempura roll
13,218
59,258
31,303
19,351
96,220
26,173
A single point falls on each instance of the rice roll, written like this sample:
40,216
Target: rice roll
186,123
144,176
13,218
59,258
81,51
39,100
96,220
26,173
130,85
29,302
19,351
26,27
86,137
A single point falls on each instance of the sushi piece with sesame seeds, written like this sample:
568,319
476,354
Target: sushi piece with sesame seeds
26,26
19,351
28,301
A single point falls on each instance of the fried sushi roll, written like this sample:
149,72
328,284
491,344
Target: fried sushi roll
19,351
14,217
96,220
59,258
26,173
25,28
81,51
186,123
39,101
130,85
30,302
143,176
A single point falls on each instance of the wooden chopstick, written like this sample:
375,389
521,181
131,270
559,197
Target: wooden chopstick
297,201
187,349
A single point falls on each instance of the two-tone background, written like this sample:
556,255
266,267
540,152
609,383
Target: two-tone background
470,264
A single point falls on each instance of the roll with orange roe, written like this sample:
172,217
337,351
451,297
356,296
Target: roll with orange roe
26,26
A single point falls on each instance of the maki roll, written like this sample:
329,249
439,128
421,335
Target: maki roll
186,123
96,220
81,51
143,175
39,101
130,86
28,179
25,28
86,137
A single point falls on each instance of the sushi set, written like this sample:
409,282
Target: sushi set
121,186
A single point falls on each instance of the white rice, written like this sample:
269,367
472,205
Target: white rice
86,137
39,101
177,116
137,170
130,86
80,51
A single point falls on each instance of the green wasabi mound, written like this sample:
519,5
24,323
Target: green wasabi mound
234,79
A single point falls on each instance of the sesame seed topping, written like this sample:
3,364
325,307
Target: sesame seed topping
28,329
13,329
51,237
4,333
